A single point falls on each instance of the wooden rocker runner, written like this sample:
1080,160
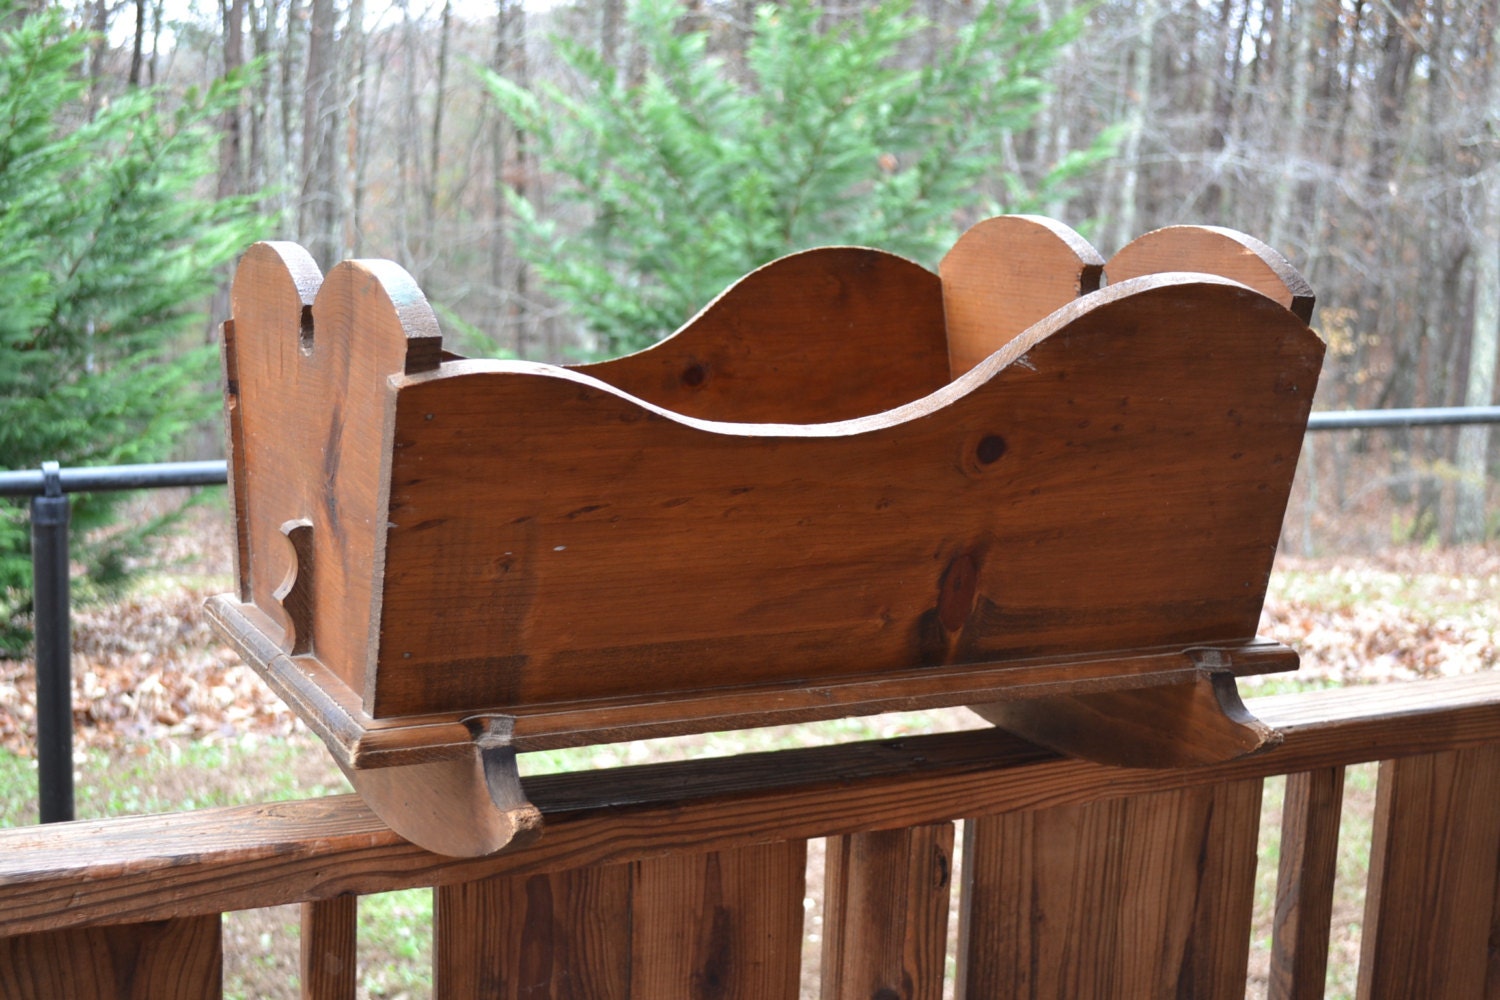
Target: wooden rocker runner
848,486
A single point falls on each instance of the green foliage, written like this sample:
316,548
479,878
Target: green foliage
106,248
698,171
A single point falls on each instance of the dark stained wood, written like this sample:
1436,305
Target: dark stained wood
1005,274
719,925
234,442
785,508
360,742
885,903
312,441
1215,250
329,956
1149,896
691,925
70,874
536,937
165,960
1119,437
1199,721
1304,884
826,334
1433,865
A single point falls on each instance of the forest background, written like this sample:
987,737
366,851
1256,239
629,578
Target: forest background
1359,137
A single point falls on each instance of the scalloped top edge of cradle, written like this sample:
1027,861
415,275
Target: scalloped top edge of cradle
1160,290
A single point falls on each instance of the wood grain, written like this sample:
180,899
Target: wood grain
1215,250
719,926
1148,896
826,334
691,925
1143,437
551,936
885,904
361,742
329,948
1304,884
311,433
464,807
71,874
176,959
1433,866
1005,274
1199,721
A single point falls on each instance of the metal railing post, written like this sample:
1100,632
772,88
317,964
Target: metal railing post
50,513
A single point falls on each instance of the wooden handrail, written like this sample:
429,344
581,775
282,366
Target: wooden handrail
154,867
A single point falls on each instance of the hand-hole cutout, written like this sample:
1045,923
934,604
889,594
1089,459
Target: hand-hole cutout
305,334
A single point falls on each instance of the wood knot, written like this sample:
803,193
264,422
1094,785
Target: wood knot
991,448
956,589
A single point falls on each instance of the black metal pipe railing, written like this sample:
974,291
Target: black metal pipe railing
50,486
1349,420
51,598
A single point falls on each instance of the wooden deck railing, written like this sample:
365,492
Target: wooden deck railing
686,880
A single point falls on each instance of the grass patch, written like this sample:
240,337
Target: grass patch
176,775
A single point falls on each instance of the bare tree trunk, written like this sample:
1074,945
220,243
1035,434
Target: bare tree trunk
231,173
292,139
138,49
156,13
1295,123
358,138
99,14
1130,155
1484,345
435,147
321,209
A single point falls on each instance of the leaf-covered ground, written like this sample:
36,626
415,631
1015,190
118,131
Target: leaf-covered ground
150,666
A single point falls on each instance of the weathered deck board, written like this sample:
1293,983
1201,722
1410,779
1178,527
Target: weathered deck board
235,858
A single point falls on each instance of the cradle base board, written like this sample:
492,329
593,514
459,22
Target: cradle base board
360,742
449,782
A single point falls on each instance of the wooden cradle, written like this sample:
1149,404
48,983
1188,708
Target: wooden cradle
848,486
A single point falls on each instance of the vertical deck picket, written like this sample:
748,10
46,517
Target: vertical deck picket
725,925
885,927
1433,865
535,937
1304,884
1145,896
179,959
330,934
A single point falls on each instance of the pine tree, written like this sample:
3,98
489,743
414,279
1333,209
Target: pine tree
690,174
108,252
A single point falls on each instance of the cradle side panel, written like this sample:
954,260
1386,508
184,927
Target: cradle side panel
821,335
312,411
1119,485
